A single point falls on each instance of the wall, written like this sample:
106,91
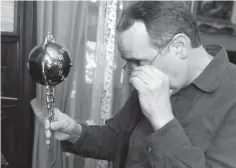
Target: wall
227,41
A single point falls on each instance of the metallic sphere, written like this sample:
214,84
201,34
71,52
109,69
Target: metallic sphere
49,63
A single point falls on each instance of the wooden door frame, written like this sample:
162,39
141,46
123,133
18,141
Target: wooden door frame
26,34
28,39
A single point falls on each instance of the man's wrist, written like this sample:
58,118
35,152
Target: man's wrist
159,123
75,134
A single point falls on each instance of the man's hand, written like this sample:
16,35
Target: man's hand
63,126
154,94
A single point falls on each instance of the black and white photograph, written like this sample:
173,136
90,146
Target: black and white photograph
118,84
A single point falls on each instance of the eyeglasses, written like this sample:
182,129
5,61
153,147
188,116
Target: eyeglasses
126,66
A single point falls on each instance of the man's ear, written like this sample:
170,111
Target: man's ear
181,42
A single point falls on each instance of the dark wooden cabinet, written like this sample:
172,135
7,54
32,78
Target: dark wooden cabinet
9,68
17,87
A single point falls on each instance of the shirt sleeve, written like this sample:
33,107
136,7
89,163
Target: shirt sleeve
170,147
96,142
100,142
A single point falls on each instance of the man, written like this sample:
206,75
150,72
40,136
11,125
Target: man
182,114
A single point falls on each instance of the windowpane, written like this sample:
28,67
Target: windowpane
8,16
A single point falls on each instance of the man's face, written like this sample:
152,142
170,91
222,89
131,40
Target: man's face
135,47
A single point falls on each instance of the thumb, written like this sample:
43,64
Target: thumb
38,112
57,114
35,107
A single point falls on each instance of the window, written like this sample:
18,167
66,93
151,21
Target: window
8,16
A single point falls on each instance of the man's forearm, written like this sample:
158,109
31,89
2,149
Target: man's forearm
98,142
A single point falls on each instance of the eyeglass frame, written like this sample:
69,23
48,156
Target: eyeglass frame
125,67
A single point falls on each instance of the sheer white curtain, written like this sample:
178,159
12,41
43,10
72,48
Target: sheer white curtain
96,86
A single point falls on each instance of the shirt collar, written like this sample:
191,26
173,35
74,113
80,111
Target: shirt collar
211,76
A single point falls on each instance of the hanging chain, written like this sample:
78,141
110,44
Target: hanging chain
48,38
50,100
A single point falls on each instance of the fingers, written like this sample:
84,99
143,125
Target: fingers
54,126
147,74
144,70
39,114
143,76
139,85
57,125
60,127
148,79
57,114
37,111
33,103
58,121
40,111
150,70
47,131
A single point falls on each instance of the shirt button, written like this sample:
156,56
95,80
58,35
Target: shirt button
149,149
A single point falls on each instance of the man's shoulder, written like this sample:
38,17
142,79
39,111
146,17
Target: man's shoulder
227,87
230,72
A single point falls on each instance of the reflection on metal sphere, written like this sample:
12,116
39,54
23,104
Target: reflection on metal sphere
49,63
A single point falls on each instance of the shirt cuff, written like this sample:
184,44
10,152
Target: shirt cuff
75,148
167,140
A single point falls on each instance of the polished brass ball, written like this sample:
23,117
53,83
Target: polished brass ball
49,63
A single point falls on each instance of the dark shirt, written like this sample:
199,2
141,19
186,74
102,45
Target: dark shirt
203,133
